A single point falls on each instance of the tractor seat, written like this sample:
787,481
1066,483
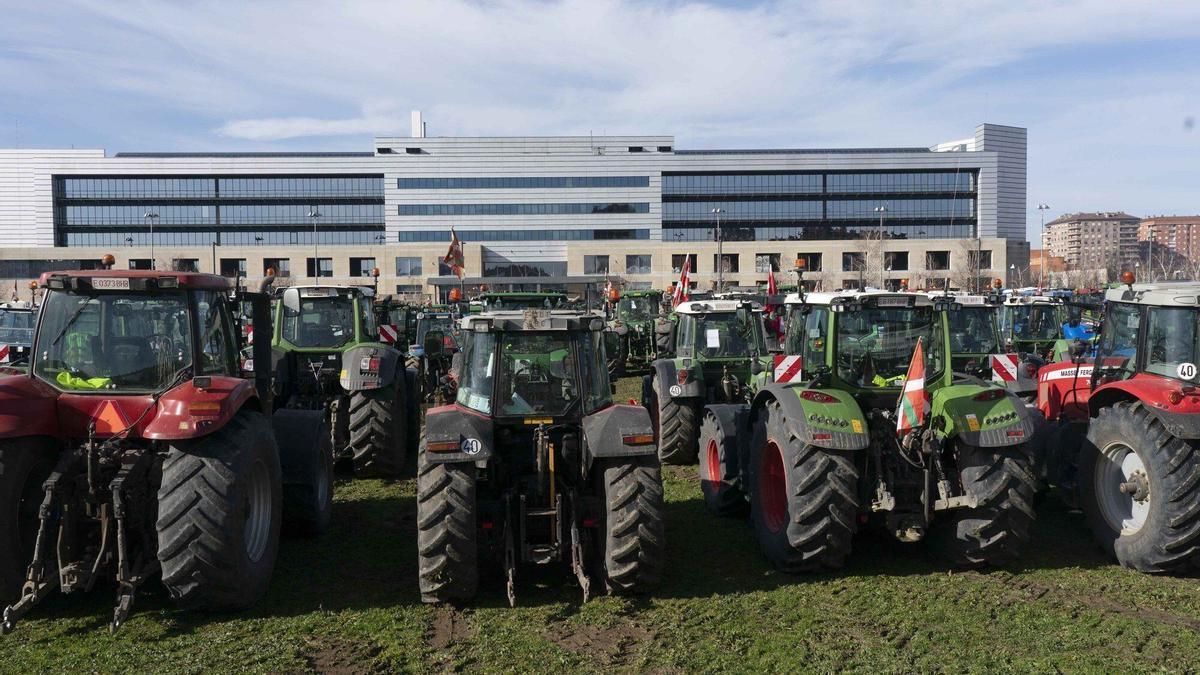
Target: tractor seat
128,355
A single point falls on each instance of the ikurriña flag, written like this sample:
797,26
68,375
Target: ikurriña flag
914,402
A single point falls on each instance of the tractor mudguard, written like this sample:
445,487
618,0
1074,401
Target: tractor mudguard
27,408
297,433
732,419
472,432
188,411
605,431
361,371
993,423
838,424
1181,419
666,373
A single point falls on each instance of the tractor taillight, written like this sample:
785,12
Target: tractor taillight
442,446
369,364
204,409
683,376
817,397
638,439
1175,397
989,395
590,522
1030,369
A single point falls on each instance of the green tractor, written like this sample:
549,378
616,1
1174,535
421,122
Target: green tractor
632,337
397,321
719,349
328,357
429,358
816,453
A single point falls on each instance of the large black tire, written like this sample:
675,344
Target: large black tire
308,456
675,426
378,431
803,499
718,471
413,401
995,530
24,467
1168,540
219,513
447,538
634,537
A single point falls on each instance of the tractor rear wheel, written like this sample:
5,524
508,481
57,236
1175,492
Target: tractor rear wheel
378,431
447,539
306,455
718,471
219,508
675,426
992,533
633,523
413,401
1140,488
803,499
24,466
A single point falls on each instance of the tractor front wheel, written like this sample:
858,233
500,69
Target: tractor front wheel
24,466
803,498
1140,488
447,539
675,425
992,532
633,523
219,508
378,433
718,471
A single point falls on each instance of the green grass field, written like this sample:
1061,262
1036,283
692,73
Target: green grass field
348,602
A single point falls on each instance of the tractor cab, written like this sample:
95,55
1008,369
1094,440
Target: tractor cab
639,307
974,333
722,339
17,321
325,318
1042,324
632,340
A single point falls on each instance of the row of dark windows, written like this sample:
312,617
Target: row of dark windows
918,230
963,207
224,237
818,183
227,214
528,269
525,235
29,269
519,209
506,182
166,187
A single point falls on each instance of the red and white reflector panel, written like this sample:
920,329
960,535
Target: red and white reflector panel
4,353
1004,367
787,368
388,333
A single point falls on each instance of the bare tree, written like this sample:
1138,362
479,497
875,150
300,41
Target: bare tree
969,276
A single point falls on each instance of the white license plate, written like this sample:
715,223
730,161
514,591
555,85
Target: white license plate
891,302
110,284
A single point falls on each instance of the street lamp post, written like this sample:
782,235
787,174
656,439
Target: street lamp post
1042,209
881,210
150,218
1012,275
314,215
720,251
1150,256
214,257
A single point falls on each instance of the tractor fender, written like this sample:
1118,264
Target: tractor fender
357,372
666,373
298,435
837,425
1182,419
605,432
27,407
997,423
472,431
188,411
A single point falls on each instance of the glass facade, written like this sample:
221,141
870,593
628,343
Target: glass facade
723,184
522,182
519,209
194,237
523,235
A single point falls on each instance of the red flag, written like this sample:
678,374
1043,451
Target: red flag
772,289
914,401
454,256
681,289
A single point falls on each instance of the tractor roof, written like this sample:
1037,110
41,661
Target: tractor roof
1176,293
522,294
86,279
321,291
714,306
1034,300
534,320
855,295
965,299
642,293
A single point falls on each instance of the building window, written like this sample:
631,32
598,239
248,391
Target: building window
520,209
678,259
282,266
522,182
766,262
937,260
323,267
186,264
410,291
854,261
595,264
728,263
896,260
408,267
139,263
979,260
637,264
812,261
361,267
233,267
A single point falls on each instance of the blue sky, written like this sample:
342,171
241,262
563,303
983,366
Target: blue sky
1110,91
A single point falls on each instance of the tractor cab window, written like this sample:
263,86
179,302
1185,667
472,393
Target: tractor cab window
637,309
972,331
1172,343
1120,339
726,334
370,329
875,345
113,341
537,374
319,322
216,330
1034,322
16,327
478,372
806,335
444,324
591,358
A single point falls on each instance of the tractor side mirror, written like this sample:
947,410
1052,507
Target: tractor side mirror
433,342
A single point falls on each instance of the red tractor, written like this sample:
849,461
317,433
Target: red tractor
1124,436
136,447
